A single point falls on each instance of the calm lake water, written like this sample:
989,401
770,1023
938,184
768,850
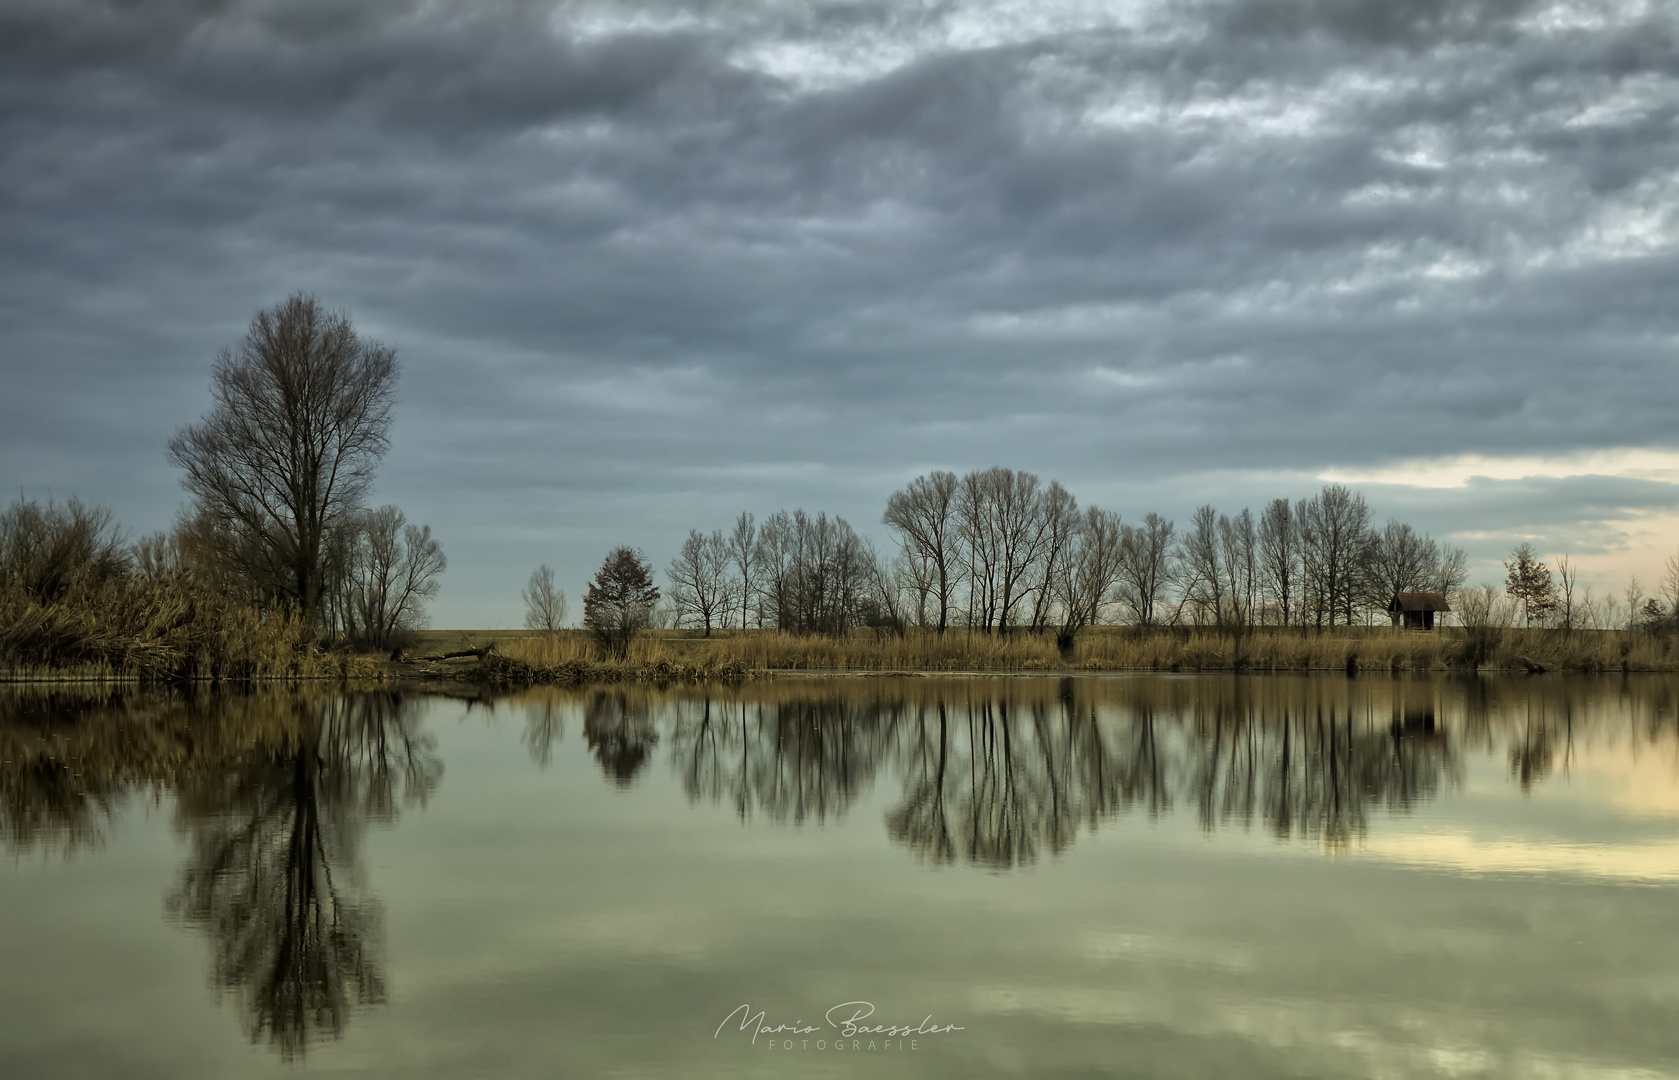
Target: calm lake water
1130,876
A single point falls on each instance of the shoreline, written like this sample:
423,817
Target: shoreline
659,675
510,659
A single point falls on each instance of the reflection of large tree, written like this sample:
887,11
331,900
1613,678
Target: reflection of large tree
272,874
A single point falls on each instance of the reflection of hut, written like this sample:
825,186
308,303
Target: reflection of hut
1415,610
1416,713
1416,721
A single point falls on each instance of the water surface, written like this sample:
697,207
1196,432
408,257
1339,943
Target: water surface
1148,876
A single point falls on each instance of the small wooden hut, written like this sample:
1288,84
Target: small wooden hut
1416,610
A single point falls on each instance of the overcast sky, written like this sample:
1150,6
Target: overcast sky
649,264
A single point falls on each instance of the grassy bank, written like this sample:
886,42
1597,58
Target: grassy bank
157,641
571,657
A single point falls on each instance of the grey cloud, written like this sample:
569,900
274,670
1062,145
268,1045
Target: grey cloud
1410,23
646,260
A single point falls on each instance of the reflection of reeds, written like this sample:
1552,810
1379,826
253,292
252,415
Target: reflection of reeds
69,755
1102,649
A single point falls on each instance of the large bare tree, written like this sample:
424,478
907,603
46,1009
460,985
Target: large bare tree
301,418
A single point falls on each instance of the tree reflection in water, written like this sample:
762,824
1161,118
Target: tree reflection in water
618,726
803,758
273,873
995,773
273,790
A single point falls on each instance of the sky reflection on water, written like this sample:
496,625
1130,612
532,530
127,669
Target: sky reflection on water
1125,876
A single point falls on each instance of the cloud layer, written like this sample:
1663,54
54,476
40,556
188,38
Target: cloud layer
649,264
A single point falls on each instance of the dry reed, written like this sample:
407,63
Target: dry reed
1107,649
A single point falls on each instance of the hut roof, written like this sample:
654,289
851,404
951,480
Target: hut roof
1418,601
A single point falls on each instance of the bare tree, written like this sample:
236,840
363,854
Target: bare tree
392,571
1089,573
1148,556
699,579
1061,523
981,550
1000,515
1201,580
1239,553
923,516
1333,524
1634,594
776,556
1397,559
919,575
888,588
1595,612
1609,613
1450,573
545,605
743,548
301,417
814,573
1484,613
620,600
1567,573
1670,585
1022,527
1279,556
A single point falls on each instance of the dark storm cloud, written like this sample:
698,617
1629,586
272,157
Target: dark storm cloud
648,263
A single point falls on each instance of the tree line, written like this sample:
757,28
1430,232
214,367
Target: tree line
1000,551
